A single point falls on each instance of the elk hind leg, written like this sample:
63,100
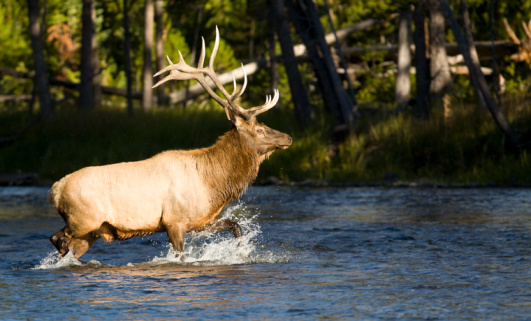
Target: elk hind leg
223,225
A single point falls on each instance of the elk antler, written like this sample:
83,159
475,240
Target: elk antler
527,29
511,33
182,71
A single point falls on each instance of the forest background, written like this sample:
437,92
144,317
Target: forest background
362,104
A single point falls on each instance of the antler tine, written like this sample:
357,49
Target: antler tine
526,29
234,85
214,51
174,73
202,55
270,103
511,33
240,92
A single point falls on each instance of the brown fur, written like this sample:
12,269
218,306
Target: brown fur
228,168
175,191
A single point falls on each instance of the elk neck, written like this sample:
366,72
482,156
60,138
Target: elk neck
229,167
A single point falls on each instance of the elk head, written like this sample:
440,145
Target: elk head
261,138
524,45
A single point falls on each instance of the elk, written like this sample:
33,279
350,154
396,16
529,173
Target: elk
175,191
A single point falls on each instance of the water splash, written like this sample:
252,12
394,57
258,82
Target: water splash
201,248
54,260
211,249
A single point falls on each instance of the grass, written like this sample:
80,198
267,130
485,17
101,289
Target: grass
465,148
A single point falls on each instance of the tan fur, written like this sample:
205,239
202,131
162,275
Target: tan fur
173,189
56,190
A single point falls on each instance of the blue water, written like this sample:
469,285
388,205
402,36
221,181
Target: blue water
329,253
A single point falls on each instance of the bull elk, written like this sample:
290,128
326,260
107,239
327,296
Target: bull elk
176,191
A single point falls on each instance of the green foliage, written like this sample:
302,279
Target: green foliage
377,80
518,77
14,36
244,30
465,148
77,139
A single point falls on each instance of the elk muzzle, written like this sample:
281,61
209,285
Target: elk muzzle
286,142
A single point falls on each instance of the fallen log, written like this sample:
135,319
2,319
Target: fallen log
484,49
14,98
67,84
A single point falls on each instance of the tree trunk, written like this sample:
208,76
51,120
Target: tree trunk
274,78
473,53
147,83
309,28
341,56
360,26
251,38
422,76
403,83
127,45
495,69
303,108
89,88
159,47
475,71
441,81
41,78
197,30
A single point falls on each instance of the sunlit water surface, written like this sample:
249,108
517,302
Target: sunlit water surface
338,253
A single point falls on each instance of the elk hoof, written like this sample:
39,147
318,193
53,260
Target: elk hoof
63,246
237,230
180,256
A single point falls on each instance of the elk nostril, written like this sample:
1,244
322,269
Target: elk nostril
290,140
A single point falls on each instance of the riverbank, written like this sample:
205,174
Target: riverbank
386,149
33,179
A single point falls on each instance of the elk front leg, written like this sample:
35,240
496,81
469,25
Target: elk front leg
176,234
223,225
81,245
60,240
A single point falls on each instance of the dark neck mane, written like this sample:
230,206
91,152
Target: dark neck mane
229,167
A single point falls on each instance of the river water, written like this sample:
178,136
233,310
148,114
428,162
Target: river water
306,253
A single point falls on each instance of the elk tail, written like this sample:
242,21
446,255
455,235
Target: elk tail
56,190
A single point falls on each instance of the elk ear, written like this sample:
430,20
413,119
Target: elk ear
238,121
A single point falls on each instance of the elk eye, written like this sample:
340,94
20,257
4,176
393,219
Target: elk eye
260,131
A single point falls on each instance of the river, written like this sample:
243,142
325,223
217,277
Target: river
306,253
